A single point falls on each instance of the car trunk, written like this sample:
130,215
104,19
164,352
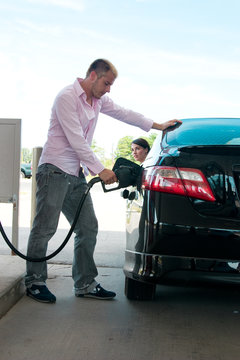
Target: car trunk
221,167
212,230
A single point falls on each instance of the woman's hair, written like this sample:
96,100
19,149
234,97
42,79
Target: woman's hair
142,142
101,67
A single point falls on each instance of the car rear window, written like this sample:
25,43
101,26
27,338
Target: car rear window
206,132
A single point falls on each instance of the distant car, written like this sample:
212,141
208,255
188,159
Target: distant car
26,170
186,217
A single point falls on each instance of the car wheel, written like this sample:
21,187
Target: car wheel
138,290
22,175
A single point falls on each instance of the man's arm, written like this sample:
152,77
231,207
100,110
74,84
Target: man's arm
132,117
109,177
166,124
65,107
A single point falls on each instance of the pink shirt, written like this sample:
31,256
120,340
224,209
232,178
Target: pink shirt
72,126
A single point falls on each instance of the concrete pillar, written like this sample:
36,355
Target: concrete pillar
37,151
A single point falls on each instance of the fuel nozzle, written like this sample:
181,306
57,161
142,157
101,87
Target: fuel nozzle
128,174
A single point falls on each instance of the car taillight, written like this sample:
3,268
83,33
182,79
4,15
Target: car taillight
180,181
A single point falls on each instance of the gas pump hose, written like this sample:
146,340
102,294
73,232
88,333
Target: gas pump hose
28,258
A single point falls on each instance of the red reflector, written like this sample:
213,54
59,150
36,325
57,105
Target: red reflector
180,181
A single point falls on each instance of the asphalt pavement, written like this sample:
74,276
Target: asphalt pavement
182,323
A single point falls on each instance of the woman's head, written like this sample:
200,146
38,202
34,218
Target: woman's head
140,148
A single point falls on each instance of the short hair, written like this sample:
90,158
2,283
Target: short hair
101,67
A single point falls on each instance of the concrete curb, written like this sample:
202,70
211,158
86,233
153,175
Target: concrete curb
12,288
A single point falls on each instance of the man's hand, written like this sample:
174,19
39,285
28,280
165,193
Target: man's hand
166,124
108,176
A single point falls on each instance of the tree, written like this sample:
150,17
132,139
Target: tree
99,151
124,146
151,138
26,155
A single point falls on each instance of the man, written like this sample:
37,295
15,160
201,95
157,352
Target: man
66,157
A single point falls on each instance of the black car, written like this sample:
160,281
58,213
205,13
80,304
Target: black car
186,216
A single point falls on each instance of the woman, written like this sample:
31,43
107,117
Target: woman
140,148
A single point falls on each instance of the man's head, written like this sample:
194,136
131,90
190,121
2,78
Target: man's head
101,67
100,77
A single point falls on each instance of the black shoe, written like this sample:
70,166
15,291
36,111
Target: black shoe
41,293
99,293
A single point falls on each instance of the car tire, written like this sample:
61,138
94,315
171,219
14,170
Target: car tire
138,290
22,175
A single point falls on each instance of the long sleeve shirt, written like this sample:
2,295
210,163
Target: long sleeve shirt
72,126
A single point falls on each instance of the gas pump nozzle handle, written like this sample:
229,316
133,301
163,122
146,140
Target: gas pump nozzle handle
127,173
97,179
111,188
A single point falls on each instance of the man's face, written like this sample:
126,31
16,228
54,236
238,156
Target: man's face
102,85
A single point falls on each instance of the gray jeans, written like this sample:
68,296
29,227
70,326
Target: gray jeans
56,192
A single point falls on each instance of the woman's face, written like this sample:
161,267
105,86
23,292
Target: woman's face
139,153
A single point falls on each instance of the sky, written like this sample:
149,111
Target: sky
175,59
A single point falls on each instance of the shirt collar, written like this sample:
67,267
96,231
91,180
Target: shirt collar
80,92
78,87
